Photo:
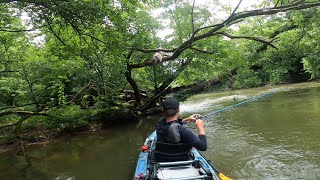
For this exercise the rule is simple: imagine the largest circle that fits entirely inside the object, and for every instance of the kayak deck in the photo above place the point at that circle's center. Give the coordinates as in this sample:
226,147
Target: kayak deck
197,168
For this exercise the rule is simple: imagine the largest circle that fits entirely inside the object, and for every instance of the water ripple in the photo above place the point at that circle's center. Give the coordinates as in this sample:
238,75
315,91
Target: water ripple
189,107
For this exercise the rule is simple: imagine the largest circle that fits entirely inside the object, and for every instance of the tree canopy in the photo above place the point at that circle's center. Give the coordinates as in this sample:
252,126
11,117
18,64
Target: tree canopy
62,52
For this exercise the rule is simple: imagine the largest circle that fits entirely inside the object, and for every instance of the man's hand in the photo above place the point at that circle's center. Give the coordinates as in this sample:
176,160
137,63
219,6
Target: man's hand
200,124
193,118
190,119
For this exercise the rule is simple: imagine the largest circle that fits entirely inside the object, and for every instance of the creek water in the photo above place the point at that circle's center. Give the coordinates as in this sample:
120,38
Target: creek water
276,137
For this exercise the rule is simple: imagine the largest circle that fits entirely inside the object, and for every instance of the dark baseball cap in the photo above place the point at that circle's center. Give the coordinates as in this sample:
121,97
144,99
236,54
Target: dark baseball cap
170,103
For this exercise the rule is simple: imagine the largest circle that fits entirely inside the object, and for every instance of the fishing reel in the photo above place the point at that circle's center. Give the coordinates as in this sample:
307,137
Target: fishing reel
198,116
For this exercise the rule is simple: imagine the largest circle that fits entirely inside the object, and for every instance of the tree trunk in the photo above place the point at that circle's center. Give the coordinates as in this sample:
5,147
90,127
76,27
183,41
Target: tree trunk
162,90
30,85
131,81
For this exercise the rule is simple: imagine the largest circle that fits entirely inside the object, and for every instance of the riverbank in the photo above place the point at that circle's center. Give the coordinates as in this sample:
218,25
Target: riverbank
64,122
73,121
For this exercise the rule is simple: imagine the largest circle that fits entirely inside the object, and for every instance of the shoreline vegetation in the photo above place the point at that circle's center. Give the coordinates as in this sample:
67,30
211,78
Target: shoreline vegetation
72,120
64,121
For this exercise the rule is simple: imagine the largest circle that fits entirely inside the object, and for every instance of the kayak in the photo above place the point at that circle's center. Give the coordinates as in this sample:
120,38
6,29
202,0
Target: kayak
198,167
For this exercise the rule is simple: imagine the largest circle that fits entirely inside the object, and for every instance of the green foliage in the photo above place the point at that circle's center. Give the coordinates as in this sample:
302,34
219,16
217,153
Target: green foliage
6,139
246,78
312,65
70,117
9,119
11,91
57,91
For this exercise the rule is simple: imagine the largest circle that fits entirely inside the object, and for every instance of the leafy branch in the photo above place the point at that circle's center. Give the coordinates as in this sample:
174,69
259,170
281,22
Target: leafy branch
232,19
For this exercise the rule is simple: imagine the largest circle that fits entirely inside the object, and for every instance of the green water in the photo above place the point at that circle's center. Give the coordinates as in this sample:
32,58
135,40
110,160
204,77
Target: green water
276,137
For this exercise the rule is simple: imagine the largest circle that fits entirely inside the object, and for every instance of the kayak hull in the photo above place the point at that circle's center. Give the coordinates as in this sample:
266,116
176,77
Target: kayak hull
145,167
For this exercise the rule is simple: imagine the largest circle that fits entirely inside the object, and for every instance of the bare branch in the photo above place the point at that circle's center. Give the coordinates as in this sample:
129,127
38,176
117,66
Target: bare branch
247,37
277,3
153,50
95,38
192,17
203,51
53,32
274,35
198,30
235,22
4,29
80,92
236,8
273,10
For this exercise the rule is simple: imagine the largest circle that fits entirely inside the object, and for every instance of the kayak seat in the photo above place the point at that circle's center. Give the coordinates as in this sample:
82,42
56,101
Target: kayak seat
188,170
168,152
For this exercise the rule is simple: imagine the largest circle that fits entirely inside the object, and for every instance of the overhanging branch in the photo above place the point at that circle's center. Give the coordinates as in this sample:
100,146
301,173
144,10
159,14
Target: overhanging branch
236,17
236,8
274,36
247,37
52,31
3,29
153,50
202,51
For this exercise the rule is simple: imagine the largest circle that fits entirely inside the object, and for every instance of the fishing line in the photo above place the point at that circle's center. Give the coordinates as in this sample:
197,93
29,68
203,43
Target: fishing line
235,105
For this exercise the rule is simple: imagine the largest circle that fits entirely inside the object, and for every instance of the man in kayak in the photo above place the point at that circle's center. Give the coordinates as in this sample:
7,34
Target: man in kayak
174,140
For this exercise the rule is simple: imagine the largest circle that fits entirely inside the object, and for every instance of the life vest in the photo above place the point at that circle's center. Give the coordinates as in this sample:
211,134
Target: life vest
168,146
168,132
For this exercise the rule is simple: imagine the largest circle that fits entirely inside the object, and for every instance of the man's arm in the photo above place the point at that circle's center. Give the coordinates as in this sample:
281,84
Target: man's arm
199,142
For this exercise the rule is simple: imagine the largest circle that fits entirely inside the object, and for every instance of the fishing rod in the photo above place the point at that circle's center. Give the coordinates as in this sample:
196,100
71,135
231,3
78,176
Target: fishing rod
234,105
